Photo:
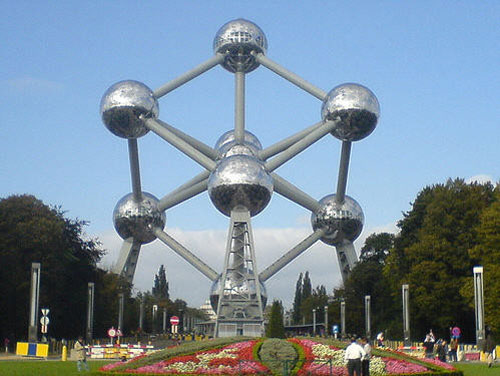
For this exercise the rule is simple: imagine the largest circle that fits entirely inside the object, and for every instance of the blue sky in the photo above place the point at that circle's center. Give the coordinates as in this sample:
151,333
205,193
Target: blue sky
433,66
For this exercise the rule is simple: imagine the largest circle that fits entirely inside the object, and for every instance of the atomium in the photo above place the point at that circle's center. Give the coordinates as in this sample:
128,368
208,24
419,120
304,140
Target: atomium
239,175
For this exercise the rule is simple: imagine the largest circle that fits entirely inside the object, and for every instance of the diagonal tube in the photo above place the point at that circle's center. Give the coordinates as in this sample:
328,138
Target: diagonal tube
290,76
291,255
189,75
127,261
198,178
171,200
299,146
206,270
204,148
180,144
291,192
287,142
343,171
133,154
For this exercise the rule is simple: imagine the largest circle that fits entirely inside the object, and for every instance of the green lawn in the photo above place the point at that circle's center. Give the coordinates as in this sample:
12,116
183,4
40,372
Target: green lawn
58,368
46,368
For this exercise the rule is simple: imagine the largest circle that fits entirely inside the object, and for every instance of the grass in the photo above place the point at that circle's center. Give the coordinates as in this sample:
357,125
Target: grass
46,368
58,368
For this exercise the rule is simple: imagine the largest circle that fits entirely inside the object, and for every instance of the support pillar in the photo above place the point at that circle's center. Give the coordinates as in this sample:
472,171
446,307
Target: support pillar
90,312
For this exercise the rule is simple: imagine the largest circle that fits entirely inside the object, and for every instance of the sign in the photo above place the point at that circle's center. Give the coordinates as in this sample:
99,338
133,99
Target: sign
45,311
174,320
44,320
119,333
45,329
112,332
335,329
455,332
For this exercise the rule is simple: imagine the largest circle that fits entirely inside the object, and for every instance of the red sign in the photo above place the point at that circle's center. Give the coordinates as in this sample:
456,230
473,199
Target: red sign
112,332
174,320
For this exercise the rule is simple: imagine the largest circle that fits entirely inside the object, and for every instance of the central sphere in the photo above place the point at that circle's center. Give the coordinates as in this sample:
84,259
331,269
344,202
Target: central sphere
340,220
240,180
136,219
123,105
237,289
238,39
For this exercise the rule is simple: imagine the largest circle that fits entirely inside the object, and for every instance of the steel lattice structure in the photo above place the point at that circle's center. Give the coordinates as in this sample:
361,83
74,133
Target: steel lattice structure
239,175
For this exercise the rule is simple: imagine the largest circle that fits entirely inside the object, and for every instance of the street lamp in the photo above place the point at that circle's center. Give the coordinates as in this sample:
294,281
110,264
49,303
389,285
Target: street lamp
314,322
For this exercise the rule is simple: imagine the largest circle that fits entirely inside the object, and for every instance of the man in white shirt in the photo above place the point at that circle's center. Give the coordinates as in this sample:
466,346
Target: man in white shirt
353,355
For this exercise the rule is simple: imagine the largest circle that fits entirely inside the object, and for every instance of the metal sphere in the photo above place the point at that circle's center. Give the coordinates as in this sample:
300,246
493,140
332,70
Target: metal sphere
123,104
356,109
238,39
240,180
226,145
342,221
136,219
237,288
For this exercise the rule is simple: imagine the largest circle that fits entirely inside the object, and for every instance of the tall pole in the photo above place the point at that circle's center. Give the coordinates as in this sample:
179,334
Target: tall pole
90,312
367,316
326,321
314,321
479,303
121,303
35,296
342,318
164,328
141,315
406,314
155,310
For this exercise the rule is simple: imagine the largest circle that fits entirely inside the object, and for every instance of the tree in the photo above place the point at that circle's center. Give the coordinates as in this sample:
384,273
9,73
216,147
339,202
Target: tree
431,254
275,327
306,287
160,288
297,301
31,231
377,247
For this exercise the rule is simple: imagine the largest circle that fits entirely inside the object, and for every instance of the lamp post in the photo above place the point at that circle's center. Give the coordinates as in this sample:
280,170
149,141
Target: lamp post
479,303
406,314
155,310
342,318
35,295
326,321
367,316
90,311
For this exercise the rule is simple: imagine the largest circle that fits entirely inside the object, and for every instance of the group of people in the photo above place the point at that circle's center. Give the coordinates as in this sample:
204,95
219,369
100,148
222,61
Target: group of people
357,355
440,348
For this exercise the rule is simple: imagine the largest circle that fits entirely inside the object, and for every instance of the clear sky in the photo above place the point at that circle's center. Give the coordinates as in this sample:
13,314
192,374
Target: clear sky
434,66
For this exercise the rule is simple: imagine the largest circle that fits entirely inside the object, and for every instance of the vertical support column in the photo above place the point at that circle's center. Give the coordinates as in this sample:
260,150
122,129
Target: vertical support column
345,157
479,303
406,314
342,319
90,312
34,300
314,322
121,303
368,316
239,110
134,168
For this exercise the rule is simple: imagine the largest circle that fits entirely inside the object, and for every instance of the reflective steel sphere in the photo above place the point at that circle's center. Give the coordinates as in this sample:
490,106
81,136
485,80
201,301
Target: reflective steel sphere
226,145
123,104
247,287
356,107
240,180
135,219
237,39
342,221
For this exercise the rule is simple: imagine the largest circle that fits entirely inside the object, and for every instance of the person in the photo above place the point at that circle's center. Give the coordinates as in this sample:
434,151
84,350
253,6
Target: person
353,355
6,342
428,346
453,349
380,339
81,355
432,336
489,346
365,361
442,350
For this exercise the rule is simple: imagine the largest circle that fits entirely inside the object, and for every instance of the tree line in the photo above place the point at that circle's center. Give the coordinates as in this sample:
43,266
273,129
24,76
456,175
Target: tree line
31,231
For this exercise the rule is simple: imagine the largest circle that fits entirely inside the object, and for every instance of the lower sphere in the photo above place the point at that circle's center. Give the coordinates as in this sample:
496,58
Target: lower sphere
137,219
341,220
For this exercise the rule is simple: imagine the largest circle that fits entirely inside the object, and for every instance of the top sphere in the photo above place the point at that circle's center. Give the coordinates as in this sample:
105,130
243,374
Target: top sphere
238,39
123,104
355,108
226,145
